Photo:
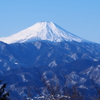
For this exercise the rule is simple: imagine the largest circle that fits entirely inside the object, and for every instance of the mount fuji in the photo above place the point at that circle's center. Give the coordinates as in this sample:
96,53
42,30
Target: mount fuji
47,48
48,31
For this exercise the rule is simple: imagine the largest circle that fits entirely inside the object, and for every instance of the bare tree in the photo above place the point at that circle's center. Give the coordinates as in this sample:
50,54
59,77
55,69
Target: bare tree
53,90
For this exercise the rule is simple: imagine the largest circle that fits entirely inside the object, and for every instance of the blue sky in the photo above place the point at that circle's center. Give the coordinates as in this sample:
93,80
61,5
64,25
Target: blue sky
80,17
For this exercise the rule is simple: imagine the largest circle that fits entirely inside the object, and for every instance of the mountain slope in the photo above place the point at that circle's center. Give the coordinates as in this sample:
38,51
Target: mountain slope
45,53
20,79
42,31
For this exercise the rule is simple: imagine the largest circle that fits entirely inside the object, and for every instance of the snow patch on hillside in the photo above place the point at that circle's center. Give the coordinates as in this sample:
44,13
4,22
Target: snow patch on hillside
52,64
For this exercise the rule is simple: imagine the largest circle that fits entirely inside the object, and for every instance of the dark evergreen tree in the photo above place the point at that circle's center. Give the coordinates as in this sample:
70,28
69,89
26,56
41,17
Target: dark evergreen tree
3,94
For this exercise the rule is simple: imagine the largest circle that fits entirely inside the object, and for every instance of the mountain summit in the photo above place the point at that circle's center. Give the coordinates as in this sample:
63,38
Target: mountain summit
42,31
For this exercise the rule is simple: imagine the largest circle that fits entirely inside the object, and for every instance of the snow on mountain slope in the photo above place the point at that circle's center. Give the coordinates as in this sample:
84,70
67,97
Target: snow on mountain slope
42,31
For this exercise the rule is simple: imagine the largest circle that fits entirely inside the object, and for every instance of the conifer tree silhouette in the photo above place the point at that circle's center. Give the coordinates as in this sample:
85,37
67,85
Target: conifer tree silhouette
3,94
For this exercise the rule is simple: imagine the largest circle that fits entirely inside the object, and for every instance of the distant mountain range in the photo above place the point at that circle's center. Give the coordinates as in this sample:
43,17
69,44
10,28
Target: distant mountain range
47,47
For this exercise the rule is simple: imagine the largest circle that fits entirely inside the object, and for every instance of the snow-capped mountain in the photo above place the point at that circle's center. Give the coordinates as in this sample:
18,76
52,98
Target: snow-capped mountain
32,48
42,31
